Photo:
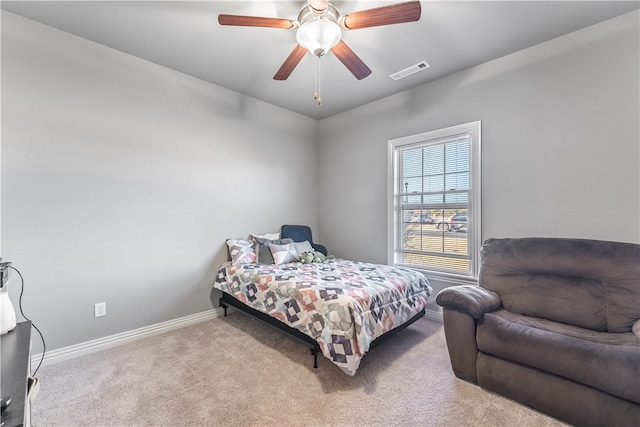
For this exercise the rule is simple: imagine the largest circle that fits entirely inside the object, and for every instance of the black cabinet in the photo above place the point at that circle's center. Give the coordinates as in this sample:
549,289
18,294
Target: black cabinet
14,376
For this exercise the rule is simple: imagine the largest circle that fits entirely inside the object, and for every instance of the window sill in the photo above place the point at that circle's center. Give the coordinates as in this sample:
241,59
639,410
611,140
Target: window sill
447,278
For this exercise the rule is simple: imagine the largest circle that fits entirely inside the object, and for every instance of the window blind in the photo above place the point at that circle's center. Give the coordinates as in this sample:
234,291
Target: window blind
432,204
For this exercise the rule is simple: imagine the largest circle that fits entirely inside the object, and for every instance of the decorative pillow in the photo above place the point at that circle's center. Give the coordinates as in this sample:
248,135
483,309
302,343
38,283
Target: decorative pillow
263,253
283,254
241,251
302,247
268,236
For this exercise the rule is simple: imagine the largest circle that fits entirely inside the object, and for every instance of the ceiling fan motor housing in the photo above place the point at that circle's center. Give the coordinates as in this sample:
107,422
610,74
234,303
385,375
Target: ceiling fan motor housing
318,32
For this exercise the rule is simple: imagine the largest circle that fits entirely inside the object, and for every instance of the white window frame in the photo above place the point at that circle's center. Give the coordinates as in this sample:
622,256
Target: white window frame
474,234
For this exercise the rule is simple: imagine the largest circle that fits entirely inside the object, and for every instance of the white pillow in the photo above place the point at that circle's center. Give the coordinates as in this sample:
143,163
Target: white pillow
283,254
302,247
241,251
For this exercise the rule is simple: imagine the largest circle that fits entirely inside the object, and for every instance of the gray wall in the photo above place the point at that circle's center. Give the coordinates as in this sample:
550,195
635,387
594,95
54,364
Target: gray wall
121,181
560,144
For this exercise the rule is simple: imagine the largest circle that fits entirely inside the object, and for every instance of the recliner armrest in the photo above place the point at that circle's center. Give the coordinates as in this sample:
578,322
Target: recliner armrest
470,299
636,329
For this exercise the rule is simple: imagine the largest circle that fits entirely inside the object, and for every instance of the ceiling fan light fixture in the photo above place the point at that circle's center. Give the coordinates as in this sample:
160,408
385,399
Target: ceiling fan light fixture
319,29
319,35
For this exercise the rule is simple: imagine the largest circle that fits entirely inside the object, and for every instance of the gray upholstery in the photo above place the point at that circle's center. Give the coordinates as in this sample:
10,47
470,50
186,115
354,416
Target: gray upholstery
471,299
583,356
552,317
545,277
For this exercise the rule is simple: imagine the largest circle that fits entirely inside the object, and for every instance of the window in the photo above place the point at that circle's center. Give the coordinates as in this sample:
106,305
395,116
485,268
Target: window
434,201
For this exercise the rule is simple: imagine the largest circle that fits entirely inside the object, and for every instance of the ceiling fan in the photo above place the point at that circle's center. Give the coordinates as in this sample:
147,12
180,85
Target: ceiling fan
319,29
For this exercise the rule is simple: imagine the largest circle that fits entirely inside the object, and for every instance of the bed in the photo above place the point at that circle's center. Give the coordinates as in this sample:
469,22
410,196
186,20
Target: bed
340,308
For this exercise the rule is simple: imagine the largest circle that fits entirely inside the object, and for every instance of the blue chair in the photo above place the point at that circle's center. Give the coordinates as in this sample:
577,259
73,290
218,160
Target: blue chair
300,233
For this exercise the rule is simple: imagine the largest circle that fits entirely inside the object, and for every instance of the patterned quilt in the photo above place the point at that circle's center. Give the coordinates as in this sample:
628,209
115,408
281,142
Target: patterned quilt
343,305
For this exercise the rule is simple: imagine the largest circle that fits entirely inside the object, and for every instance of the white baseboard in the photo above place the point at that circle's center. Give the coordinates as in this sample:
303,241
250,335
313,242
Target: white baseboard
433,315
88,347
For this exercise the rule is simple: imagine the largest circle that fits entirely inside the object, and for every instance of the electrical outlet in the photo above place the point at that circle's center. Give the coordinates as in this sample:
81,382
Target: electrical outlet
100,309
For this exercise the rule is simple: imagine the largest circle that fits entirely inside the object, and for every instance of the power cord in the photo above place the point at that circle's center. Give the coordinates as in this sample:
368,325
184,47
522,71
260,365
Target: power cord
44,346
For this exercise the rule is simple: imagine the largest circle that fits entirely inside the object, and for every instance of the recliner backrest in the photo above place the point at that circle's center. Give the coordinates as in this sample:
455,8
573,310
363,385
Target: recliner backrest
588,283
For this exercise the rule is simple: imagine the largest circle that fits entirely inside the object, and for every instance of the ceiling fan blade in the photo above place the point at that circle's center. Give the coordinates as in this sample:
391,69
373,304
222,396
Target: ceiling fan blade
351,60
255,21
385,15
290,63
318,6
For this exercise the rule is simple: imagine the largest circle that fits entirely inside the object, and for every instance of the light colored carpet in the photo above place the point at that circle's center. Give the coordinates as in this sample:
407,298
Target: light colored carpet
236,371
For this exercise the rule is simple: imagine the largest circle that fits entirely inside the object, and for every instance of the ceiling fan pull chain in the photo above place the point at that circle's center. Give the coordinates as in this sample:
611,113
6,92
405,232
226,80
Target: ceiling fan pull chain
315,78
317,93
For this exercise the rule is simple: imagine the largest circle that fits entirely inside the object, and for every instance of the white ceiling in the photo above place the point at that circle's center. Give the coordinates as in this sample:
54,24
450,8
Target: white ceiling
185,36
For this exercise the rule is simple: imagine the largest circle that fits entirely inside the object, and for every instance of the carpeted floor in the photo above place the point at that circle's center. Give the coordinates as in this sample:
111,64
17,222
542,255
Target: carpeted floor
236,371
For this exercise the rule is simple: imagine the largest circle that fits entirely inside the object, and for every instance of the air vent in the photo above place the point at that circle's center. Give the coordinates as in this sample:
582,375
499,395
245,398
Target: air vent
410,70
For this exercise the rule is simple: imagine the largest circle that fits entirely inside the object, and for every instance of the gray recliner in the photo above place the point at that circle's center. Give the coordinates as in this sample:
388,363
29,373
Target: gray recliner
554,324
